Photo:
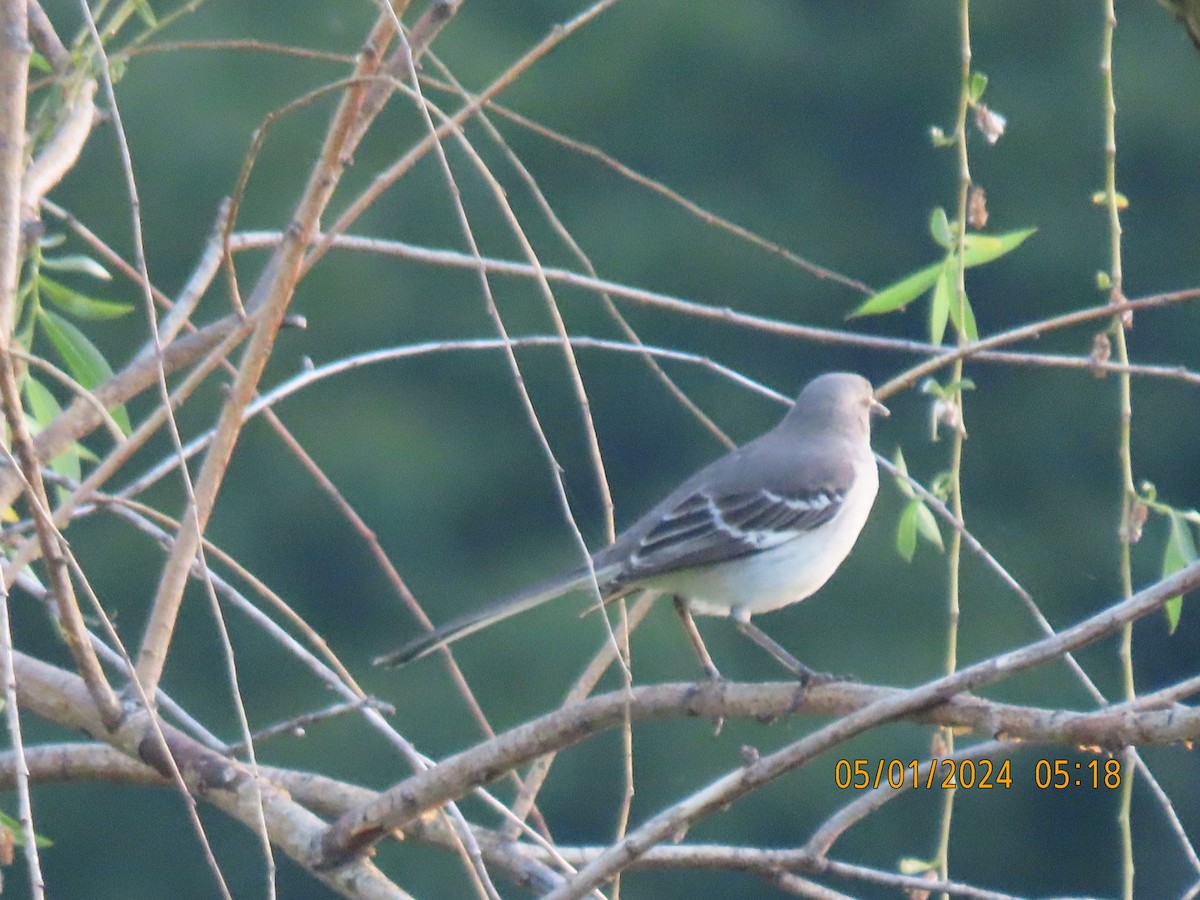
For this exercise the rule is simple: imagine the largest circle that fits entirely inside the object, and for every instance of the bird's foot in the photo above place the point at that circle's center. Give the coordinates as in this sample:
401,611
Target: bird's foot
807,677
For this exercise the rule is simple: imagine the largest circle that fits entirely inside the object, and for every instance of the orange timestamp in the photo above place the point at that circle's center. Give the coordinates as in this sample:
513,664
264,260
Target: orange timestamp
947,774
972,774
1057,774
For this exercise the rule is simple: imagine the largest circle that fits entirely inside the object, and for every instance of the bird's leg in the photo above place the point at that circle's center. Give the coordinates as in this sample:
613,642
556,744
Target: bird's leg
693,633
807,676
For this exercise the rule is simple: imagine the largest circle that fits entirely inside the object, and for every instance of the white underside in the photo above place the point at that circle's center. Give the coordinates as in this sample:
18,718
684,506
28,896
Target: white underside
781,575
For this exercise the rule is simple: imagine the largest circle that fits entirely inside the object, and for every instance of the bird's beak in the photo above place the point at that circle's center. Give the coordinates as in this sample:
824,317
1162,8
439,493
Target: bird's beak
878,409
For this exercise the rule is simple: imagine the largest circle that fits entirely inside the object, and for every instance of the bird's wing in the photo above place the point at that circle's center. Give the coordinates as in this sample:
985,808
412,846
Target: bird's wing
704,529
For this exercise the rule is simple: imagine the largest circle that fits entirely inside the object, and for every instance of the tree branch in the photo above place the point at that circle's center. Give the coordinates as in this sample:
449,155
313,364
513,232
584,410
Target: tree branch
61,697
426,790
267,305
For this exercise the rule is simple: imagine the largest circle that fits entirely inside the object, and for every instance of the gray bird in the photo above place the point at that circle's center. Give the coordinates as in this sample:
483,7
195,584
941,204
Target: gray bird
760,528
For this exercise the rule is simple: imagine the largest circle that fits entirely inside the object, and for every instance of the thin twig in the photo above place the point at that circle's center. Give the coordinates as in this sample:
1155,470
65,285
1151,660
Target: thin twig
482,877
12,716
941,855
673,196
397,170
249,44
1026,332
310,376
46,39
297,725
1122,319
269,302
555,470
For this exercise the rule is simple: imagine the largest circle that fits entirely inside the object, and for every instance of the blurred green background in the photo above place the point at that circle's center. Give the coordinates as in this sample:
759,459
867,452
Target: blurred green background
807,122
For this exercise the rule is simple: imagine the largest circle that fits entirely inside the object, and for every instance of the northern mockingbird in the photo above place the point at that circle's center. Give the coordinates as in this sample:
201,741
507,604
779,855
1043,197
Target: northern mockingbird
760,528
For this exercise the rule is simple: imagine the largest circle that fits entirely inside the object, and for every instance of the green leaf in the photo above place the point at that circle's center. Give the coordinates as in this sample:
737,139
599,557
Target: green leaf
940,485
976,86
939,306
77,262
902,478
939,227
972,330
963,318
939,137
916,519
977,250
983,248
901,293
44,409
906,531
1173,609
18,832
910,865
927,527
42,406
1100,198
1180,552
85,363
80,305
38,63
930,386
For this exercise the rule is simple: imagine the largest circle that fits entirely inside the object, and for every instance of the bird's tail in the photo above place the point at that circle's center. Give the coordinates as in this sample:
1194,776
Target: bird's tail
532,596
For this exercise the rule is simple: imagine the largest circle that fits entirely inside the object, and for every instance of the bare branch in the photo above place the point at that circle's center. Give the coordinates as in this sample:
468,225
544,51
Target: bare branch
62,698
397,170
357,830
97,762
268,303
14,66
1027,332
61,152
691,207
20,763
46,39
772,864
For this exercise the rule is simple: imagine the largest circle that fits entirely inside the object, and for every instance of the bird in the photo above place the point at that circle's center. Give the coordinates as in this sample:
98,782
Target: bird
758,529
